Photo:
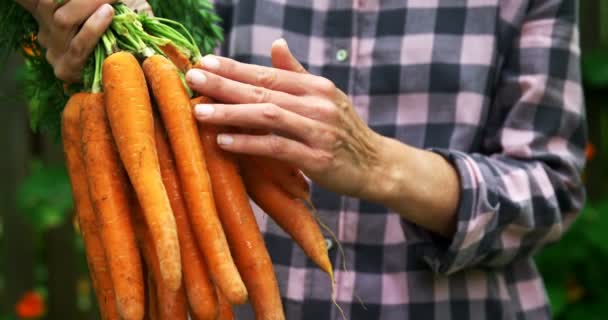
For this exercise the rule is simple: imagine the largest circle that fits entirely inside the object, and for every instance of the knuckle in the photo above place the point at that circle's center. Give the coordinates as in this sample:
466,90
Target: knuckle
42,38
271,112
67,72
325,110
266,78
77,50
325,86
63,20
61,72
328,135
260,95
226,113
50,57
276,145
323,159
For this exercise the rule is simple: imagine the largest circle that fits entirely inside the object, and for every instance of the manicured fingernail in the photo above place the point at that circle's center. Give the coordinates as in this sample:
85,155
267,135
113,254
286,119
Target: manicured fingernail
196,77
210,63
224,139
105,11
203,110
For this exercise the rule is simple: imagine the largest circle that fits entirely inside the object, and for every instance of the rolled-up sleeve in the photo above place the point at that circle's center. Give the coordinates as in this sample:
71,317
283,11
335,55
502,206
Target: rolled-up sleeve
526,189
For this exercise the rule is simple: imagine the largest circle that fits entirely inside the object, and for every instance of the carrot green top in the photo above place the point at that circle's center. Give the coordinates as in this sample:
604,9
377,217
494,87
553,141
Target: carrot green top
190,25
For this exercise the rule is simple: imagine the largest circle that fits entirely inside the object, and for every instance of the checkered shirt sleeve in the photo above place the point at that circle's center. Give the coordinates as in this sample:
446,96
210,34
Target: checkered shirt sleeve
525,190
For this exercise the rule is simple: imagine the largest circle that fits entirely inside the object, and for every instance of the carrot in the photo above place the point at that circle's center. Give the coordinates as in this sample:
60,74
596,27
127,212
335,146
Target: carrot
200,290
109,191
244,236
181,61
290,214
152,302
96,257
170,304
131,118
225,308
174,106
287,177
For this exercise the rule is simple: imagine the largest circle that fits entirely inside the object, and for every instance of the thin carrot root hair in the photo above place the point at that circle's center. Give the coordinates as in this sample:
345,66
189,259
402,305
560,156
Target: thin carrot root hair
342,254
325,227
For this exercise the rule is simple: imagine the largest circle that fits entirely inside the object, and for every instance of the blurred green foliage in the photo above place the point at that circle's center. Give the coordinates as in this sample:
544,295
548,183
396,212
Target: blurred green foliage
45,196
574,270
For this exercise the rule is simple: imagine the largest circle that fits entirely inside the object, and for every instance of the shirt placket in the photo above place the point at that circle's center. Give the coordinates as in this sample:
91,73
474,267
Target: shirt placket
344,51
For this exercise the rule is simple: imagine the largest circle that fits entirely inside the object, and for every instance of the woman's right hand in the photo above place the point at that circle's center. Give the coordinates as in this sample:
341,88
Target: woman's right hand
69,31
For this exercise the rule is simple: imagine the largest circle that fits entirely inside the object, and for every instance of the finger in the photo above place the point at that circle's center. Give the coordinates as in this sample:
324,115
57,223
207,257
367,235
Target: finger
274,146
43,37
231,91
270,78
48,7
67,72
259,116
74,13
51,57
30,5
87,38
282,58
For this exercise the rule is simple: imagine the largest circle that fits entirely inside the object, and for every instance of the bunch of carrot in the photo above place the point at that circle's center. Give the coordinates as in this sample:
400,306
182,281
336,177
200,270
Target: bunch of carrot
164,212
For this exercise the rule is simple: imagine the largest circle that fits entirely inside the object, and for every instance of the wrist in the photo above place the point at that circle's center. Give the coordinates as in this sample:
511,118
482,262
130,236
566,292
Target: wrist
388,178
418,184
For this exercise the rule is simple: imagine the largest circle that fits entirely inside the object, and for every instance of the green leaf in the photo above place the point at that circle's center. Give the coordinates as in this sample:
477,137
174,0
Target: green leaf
198,16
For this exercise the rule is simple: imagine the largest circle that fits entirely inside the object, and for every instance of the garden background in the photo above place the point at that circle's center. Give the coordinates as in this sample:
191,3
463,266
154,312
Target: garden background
42,266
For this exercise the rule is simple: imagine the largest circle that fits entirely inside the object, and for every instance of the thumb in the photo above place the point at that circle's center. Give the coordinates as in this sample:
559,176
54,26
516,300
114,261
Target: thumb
283,59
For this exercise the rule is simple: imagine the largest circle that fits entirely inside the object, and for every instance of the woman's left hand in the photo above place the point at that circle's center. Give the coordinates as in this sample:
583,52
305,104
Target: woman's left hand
314,126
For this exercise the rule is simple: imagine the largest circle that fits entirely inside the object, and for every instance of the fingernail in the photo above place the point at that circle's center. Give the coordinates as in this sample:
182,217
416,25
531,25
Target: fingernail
105,11
210,63
279,42
203,110
224,139
196,77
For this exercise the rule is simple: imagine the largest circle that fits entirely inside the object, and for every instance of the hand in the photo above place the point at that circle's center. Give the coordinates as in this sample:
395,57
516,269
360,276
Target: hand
70,29
314,126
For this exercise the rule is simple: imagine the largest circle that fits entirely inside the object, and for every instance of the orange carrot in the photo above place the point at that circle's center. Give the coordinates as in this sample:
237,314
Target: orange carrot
130,114
170,304
225,308
174,105
287,177
290,214
244,236
109,190
181,61
200,289
96,257
152,302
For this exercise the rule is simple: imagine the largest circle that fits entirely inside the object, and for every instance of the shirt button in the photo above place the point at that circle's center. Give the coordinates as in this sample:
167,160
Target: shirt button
342,55
329,243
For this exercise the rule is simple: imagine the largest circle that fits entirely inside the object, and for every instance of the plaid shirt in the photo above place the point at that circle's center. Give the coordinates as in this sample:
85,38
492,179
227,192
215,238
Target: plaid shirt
494,87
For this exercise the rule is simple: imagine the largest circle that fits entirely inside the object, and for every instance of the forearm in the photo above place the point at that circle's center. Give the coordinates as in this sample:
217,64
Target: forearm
420,185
